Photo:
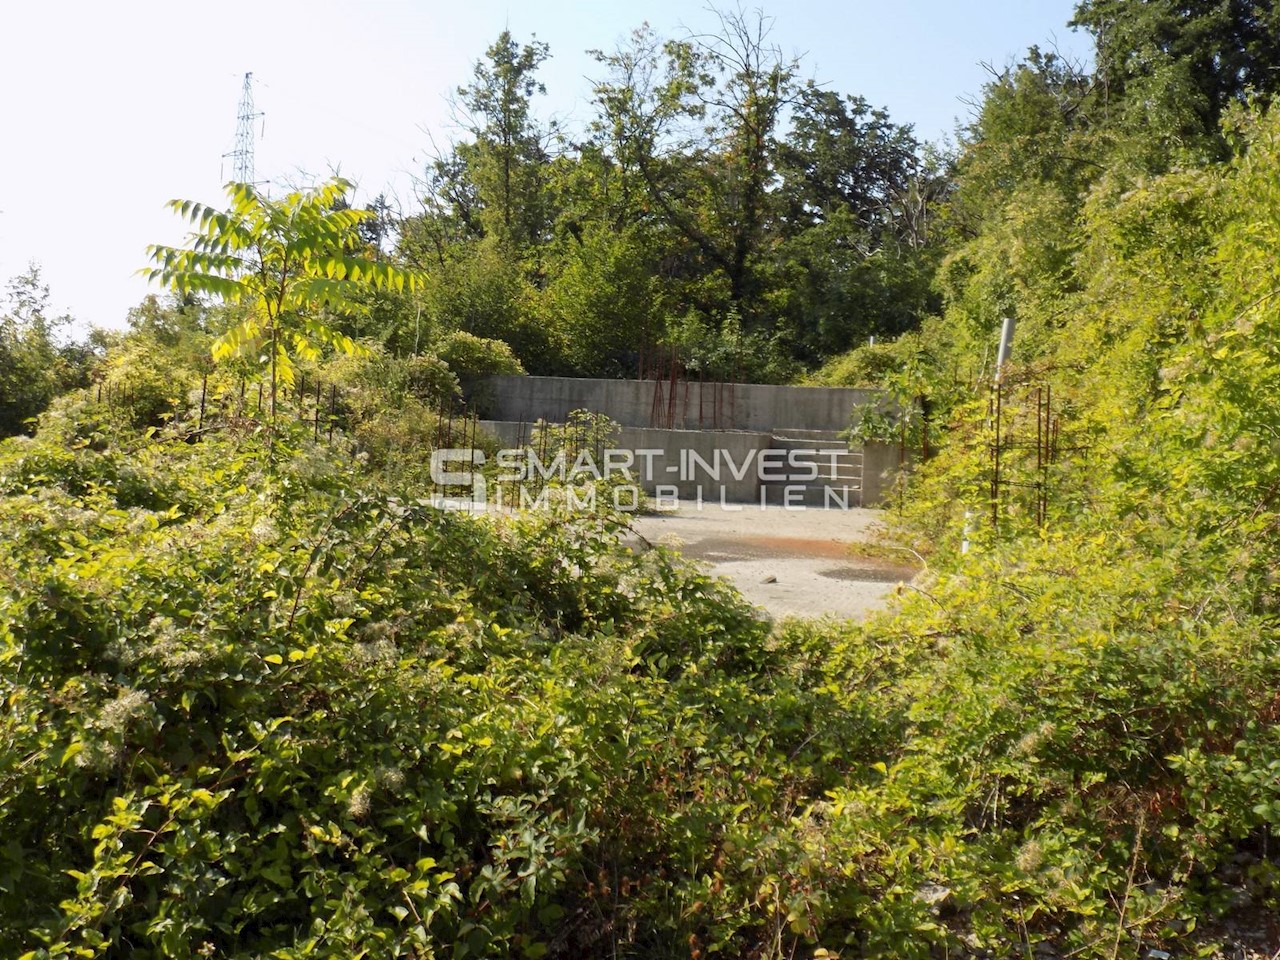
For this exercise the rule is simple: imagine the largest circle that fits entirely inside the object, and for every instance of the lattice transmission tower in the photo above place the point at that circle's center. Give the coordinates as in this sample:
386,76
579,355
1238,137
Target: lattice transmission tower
242,155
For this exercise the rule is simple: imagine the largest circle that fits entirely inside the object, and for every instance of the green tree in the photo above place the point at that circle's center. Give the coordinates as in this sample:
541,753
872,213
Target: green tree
1189,59
842,154
36,363
450,216
285,264
1037,122
603,302
1038,143
838,285
696,118
857,258
482,291
173,321
506,161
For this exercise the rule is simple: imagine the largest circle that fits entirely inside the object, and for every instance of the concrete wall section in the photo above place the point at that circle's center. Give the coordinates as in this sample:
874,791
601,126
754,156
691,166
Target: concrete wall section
880,465
714,442
761,408
510,433
708,465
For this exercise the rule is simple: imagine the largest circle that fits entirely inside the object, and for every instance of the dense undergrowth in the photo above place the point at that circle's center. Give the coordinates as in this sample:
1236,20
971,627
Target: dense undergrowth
260,701
257,704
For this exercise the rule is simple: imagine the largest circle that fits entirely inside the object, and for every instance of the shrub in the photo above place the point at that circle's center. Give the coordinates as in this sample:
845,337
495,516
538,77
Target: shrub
264,706
472,358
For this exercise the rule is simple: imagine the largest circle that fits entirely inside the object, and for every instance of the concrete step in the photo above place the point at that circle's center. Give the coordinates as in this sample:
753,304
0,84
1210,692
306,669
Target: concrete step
814,494
823,455
795,433
827,475
830,465
809,443
841,474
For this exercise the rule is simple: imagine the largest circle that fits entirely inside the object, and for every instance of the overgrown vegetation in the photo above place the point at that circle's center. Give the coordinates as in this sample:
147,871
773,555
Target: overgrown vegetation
264,704
263,699
35,365
713,212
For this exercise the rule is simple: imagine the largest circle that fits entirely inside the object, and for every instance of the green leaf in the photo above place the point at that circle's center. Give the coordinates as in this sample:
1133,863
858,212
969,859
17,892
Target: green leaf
74,749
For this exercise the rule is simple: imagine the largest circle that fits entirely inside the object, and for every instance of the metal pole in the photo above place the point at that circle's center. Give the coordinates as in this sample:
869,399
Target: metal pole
1006,346
1039,454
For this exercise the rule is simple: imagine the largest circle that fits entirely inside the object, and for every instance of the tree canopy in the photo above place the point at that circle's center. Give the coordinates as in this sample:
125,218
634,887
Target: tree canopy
287,263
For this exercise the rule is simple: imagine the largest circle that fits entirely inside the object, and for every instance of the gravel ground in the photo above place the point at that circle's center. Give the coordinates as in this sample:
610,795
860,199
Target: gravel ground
788,562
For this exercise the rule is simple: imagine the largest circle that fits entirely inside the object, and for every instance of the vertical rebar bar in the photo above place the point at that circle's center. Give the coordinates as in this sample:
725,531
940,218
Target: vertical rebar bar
1039,451
902,463
204,386
995,466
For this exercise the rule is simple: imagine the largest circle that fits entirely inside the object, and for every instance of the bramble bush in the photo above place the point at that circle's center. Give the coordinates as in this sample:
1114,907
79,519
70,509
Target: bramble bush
260,703
263,701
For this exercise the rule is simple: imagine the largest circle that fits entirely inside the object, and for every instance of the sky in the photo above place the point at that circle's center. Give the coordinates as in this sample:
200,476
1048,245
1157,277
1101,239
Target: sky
116,108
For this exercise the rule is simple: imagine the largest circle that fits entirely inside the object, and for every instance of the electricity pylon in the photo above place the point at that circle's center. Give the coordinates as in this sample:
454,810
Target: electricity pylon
242,155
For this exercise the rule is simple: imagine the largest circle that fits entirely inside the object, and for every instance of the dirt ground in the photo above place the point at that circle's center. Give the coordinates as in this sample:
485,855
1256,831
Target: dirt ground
788,562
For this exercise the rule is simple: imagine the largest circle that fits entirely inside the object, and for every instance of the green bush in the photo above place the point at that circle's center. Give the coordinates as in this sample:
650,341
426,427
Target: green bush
261,699
472,358
36,365
865,366
262,703
259,705
430,380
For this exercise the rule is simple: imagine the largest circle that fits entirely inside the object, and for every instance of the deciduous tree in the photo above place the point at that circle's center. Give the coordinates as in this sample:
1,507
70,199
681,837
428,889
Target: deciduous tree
285,263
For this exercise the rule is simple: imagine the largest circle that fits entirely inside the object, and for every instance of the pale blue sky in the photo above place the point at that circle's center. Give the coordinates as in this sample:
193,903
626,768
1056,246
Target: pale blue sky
115,108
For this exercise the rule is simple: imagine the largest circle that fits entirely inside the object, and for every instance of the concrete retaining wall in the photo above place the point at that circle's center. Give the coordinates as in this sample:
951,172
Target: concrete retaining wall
740,425
761,408
683,460
733,475
880,465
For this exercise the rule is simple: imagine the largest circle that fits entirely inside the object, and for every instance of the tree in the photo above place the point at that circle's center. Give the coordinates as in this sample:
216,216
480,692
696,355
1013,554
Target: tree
450,216
34,366
178,320
1204,54
603,302
506,160
856,259
696,118
1038,122
484,293
842,155
838,286
284,263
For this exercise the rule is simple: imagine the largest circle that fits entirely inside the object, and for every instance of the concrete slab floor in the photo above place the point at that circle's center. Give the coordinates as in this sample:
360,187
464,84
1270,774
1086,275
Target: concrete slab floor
790,563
